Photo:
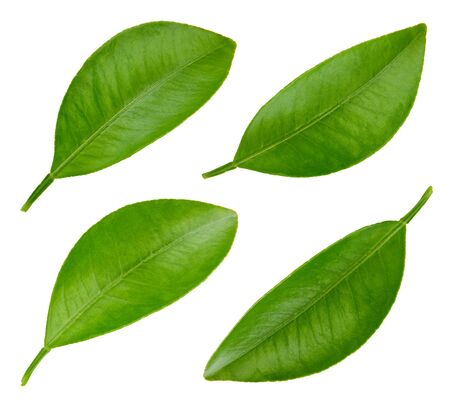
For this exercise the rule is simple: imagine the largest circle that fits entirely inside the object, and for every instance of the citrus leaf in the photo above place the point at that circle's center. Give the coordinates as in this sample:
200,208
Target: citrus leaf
322,312
135,88
338,113
132,263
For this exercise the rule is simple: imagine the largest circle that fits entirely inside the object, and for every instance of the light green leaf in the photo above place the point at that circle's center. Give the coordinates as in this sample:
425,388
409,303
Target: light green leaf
338,113
322,312
134,89
132,263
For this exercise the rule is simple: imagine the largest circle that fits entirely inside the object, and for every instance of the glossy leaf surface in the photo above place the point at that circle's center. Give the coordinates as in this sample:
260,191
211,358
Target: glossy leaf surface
135,88
322,312
134,262
338,113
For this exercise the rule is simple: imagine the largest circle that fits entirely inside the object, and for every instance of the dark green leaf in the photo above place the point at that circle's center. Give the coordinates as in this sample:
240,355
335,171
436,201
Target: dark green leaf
338,113
134,89
322,312
134,262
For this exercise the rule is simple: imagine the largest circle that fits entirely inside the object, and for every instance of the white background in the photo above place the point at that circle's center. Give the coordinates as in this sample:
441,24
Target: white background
282,221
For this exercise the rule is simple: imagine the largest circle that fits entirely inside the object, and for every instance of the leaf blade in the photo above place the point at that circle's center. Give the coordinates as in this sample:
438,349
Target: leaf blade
134,89
321,313
256,348
133,262
339,112
152,261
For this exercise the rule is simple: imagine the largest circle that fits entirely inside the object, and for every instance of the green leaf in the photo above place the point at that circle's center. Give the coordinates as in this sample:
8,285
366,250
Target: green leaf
132,263
338,113
134,89
320,313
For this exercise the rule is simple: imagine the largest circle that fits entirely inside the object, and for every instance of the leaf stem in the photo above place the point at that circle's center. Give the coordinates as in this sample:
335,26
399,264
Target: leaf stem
219,170
423,200
46,182
44,351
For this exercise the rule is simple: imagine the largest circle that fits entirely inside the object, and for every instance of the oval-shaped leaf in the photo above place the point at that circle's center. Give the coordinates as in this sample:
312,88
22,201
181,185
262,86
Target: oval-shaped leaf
322,312
338,113
134,89
134,262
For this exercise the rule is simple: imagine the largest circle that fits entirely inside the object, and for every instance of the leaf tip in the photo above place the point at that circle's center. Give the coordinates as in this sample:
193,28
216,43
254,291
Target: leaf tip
214,370
209,374
420,28
232,43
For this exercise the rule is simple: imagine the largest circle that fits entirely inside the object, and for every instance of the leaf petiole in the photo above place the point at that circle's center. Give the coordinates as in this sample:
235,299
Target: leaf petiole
219,170
46,182
44,351
423,200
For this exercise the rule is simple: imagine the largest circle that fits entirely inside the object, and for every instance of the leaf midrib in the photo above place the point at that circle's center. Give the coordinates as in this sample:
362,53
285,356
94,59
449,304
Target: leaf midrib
147,91
299,130
400,224
102,292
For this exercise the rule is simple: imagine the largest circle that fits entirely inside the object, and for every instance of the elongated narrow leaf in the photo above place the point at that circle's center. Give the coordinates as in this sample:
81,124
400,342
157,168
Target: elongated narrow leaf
322,312
134,262
134,89
338,113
